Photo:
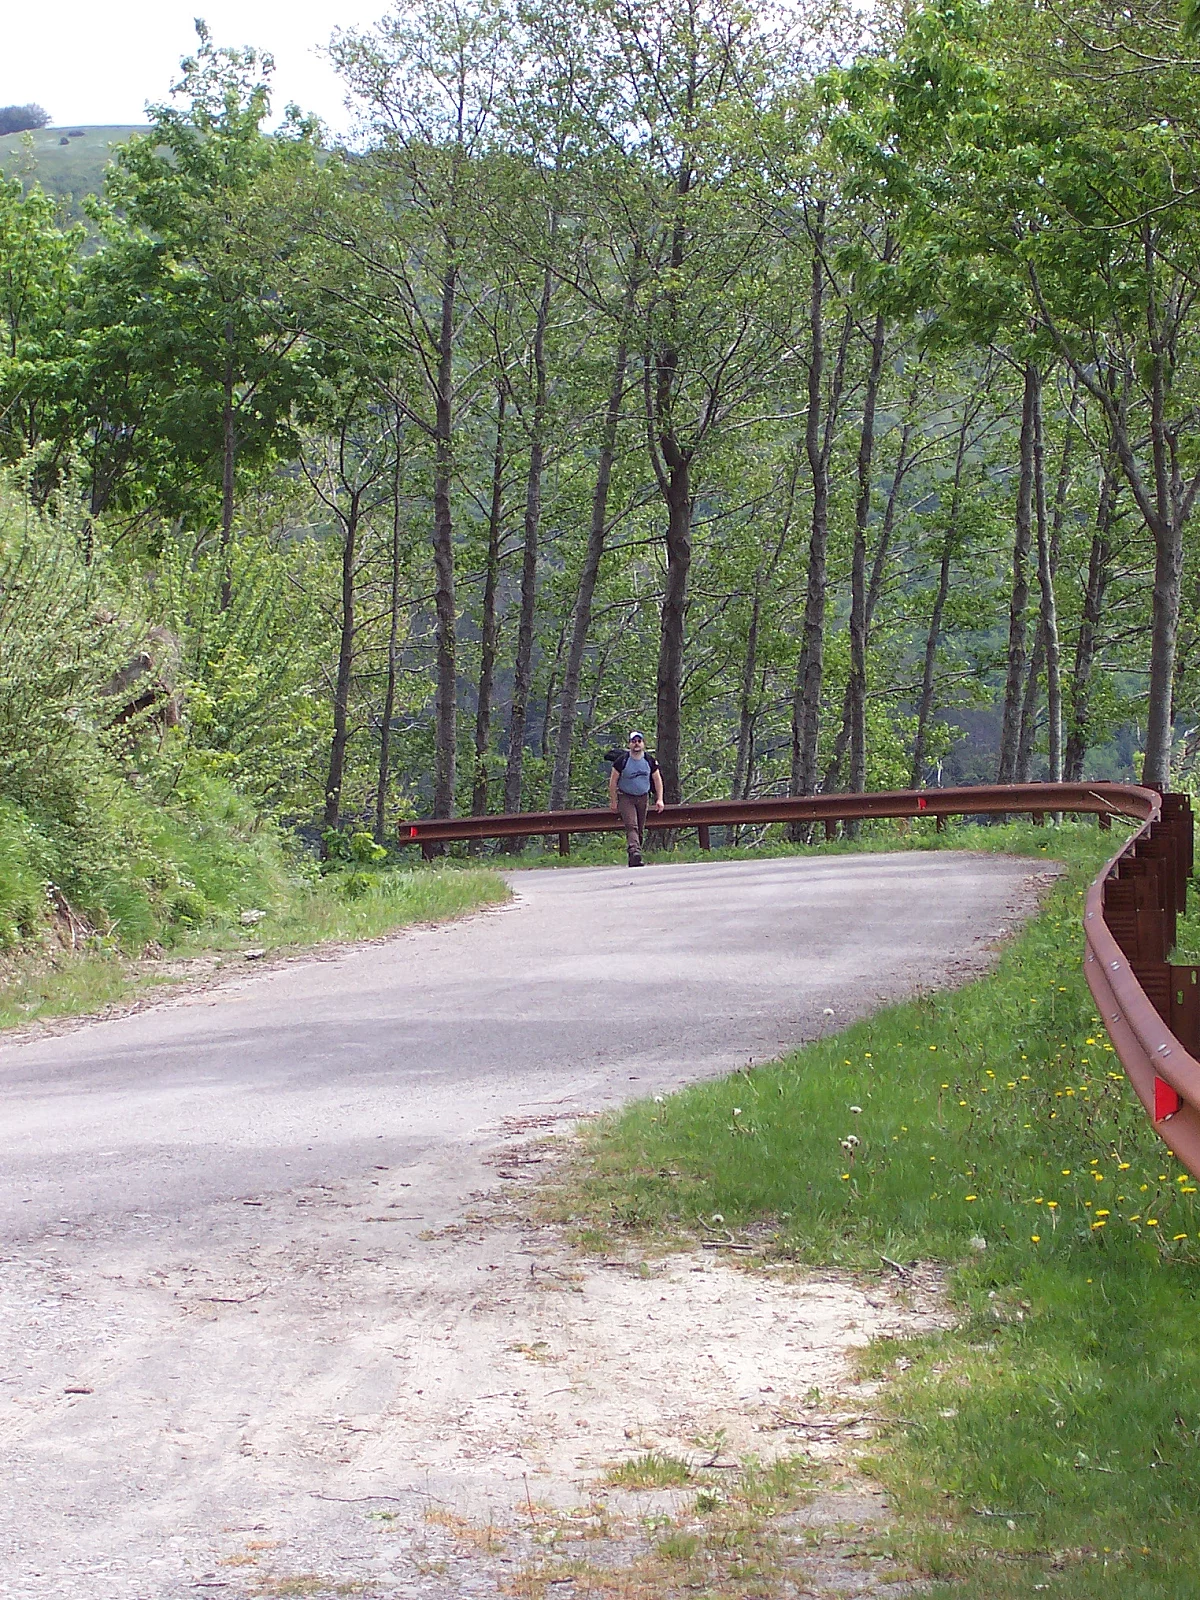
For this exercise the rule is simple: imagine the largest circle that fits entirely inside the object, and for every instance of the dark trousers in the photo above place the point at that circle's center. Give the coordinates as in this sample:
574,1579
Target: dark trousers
632,810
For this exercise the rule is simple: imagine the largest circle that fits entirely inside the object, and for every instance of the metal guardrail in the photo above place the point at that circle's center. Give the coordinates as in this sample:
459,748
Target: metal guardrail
1149,1005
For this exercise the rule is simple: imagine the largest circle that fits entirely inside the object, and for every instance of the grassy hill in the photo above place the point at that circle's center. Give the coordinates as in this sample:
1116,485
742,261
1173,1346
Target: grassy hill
67,167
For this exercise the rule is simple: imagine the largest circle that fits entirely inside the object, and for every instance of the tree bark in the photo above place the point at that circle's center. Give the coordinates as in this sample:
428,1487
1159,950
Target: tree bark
1014,681
345,667
446,700
934,632
858,575
1047,565
741,763
581,615
389,695
669,707
806,702
833,771
1099,572
523,666
488,628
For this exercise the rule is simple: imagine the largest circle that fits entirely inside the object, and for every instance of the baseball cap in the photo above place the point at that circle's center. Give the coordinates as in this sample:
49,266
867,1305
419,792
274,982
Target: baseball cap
636,735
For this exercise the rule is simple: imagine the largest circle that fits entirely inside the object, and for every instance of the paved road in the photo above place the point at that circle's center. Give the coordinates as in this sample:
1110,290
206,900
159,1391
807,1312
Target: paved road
158,1151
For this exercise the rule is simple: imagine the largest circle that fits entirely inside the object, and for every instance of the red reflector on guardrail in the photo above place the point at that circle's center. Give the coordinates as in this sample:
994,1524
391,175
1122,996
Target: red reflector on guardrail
412,833
1166,1100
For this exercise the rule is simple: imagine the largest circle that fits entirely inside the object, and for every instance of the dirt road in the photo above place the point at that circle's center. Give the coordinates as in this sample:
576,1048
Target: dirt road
246,1341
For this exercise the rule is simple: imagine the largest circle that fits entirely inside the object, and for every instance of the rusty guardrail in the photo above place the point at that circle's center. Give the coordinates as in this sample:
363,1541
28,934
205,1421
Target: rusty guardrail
1149,1005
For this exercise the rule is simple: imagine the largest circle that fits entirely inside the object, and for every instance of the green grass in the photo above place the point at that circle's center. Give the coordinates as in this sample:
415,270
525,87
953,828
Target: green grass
69,171
1051,1442
48,982
652,1470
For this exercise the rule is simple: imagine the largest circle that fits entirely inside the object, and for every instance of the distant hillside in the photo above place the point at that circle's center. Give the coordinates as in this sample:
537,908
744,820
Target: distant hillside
69,168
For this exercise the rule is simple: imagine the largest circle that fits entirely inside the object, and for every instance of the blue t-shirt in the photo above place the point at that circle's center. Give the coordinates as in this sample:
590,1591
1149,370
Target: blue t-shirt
634,775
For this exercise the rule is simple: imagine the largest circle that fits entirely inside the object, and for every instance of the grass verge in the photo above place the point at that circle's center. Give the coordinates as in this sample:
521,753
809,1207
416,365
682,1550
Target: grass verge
1051,1442
52,982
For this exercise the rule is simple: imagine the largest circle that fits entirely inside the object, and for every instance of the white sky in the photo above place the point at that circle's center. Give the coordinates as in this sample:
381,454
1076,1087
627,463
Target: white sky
90,63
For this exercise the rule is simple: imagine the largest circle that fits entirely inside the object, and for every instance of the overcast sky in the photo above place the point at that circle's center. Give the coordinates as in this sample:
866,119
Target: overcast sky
89,63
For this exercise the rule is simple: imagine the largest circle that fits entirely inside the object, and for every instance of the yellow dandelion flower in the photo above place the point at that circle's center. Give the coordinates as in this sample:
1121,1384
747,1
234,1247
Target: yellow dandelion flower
1179,1236
1036,1237
971,1197
1152,1222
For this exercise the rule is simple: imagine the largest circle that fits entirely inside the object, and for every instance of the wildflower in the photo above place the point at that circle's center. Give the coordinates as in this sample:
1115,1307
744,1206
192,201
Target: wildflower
737,1111
1152,1222
1096,1225
1066,1172
933,1047
1179,1236
658,1099
1104,1213
845,1175
1136,1217
972,1197
716,1217
1122,1166
857,1110
1036,1237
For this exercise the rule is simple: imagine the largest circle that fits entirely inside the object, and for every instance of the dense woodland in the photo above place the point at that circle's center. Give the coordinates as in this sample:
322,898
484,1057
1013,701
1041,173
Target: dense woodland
814,388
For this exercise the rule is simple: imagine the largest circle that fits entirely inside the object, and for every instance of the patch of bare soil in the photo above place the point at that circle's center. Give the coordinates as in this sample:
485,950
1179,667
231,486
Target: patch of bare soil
339,1392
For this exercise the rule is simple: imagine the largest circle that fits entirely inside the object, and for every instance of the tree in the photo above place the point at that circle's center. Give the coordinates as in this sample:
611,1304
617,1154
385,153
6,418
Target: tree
22,119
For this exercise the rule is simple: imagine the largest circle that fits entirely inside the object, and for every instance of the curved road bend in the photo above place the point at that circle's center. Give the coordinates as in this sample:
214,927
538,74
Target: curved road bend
177,1148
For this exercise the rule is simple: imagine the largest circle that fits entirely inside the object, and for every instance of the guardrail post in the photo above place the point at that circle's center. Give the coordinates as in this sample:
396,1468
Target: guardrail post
564,844
702,831
940,823
1104,821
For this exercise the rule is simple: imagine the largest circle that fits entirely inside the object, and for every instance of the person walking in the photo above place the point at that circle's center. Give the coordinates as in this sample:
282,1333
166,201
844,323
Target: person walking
634,774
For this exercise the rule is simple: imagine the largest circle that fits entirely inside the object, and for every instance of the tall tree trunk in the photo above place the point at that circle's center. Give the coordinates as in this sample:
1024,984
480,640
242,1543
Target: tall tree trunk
488,628
1168,571
933,634
741,763
228,464
1014,681
806,702
1023,771
669,707
523,667
858,574
833,772
446,702
1047,565
393,654
1046,652
1099,572
345,668
581,615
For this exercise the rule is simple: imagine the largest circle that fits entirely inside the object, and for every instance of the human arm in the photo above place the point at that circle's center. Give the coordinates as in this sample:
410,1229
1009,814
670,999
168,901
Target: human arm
656,780
612,789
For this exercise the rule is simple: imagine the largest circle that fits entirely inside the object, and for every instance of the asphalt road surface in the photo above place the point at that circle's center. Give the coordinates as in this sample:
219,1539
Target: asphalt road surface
159,1168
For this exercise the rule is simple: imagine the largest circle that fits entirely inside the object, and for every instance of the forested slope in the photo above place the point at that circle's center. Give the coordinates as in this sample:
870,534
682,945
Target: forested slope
819,393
